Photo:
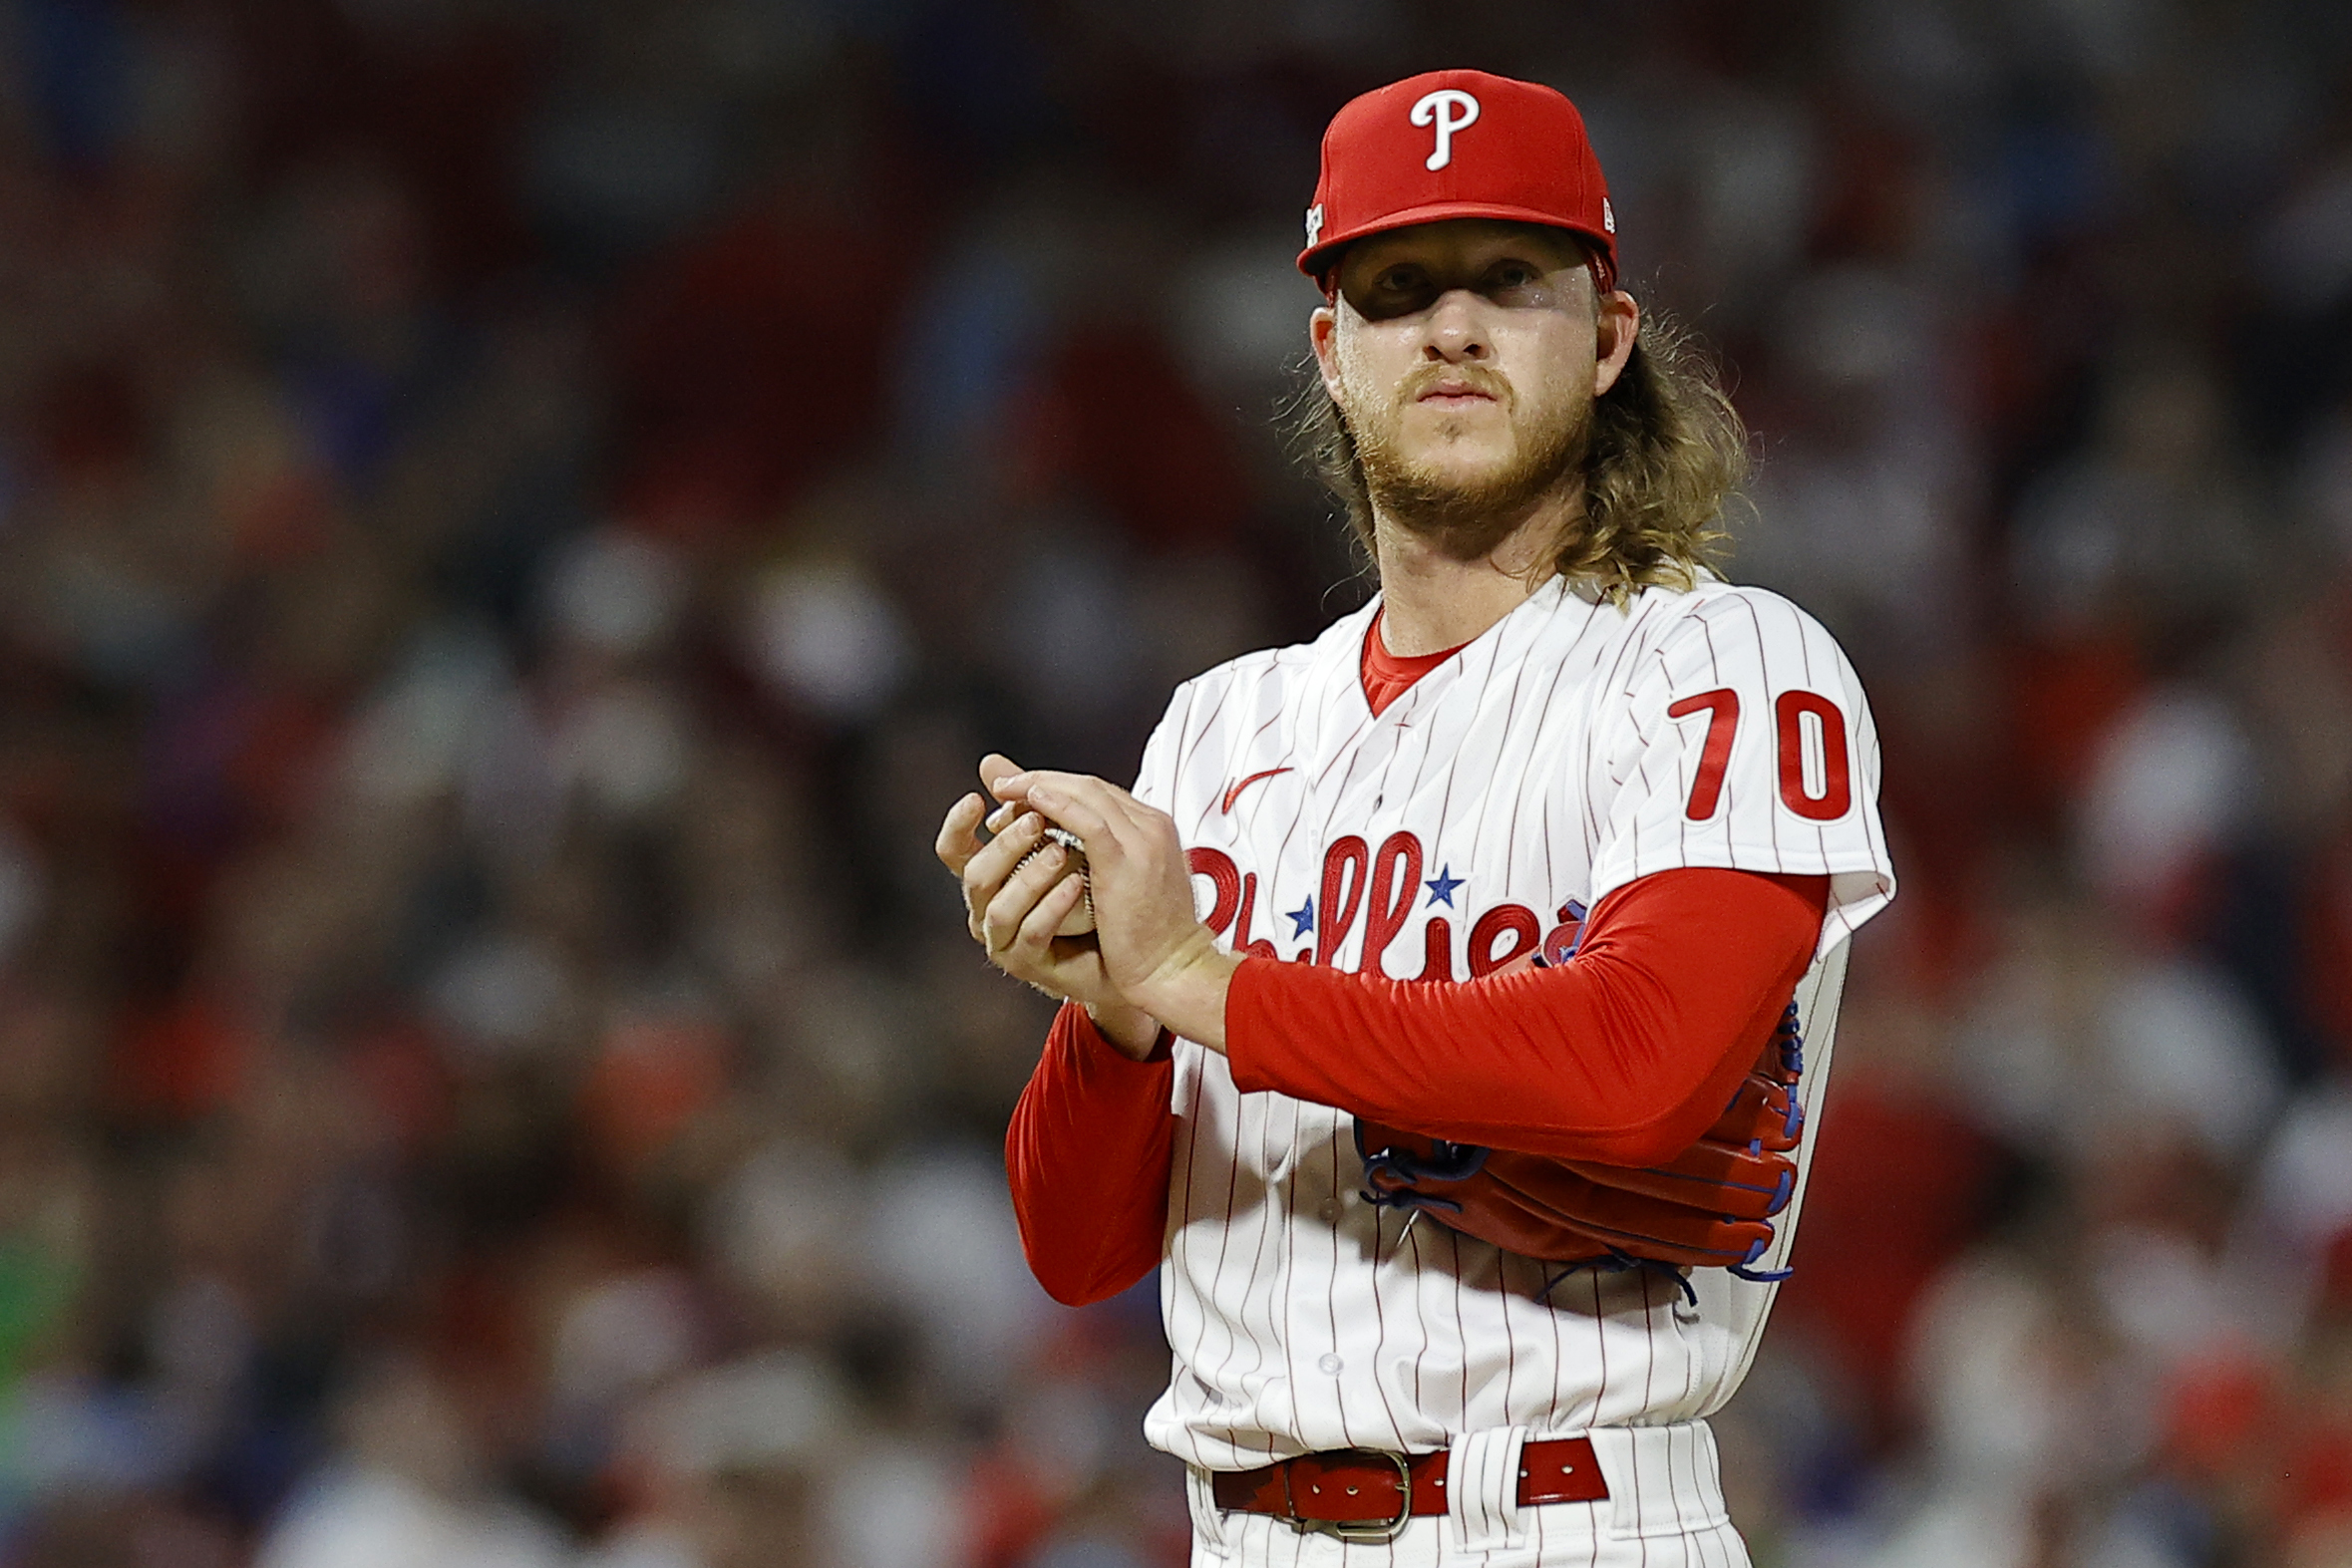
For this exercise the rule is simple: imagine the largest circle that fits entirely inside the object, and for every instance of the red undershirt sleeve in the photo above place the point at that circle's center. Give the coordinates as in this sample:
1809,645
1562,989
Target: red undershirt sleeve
1087,1156
1624,1054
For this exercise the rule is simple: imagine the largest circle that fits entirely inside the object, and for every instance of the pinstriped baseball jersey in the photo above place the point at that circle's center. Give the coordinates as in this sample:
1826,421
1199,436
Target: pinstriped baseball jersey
1573,747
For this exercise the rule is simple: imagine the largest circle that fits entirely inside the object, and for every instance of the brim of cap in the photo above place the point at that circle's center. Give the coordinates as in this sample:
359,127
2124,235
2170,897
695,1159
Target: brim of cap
1320,255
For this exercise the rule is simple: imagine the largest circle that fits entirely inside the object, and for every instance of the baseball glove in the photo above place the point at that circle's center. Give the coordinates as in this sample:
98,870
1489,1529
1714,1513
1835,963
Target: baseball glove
1711,1206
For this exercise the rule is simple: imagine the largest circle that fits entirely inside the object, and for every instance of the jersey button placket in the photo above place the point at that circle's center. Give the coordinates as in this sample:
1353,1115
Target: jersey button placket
1312,1315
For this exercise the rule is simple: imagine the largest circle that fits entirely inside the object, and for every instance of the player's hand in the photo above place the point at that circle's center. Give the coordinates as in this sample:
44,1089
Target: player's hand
1154,950
1013,910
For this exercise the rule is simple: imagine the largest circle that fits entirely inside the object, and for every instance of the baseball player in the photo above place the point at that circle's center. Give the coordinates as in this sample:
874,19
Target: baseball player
1446,1007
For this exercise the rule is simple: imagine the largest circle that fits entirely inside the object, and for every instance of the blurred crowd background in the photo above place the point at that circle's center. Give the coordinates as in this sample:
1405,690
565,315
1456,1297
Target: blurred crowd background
517,517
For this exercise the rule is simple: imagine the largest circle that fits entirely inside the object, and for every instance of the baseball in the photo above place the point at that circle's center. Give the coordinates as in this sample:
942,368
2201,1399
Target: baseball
1079,921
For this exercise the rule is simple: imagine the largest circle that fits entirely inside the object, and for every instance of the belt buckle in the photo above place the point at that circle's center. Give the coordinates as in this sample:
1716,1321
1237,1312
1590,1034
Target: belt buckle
1364,1532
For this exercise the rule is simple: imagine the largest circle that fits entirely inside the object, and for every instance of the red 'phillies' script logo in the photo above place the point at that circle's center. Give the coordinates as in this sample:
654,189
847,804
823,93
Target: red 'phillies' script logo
1379,889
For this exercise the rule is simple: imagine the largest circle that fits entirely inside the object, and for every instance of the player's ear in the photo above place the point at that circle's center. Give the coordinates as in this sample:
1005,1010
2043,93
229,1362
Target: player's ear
1616,324
1323,334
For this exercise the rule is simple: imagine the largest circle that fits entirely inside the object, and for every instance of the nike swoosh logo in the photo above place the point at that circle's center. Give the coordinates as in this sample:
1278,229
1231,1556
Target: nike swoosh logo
1235,794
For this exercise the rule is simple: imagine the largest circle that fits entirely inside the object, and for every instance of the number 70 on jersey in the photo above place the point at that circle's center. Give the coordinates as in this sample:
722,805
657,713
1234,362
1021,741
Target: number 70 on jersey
1816,780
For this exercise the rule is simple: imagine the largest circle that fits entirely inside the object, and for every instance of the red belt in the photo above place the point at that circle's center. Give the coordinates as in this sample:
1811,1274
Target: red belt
1368,1494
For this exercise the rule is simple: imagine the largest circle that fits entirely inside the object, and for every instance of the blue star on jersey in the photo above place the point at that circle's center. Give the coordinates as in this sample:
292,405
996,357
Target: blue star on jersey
1441,888
1302,919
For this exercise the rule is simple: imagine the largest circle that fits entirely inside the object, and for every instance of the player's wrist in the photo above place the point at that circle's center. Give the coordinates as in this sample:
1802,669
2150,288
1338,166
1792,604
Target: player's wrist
1127,1029
1188,991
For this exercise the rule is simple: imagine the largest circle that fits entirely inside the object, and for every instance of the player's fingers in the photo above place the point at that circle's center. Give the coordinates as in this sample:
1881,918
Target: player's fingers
1031,946
1001,920
1050,777
1115,803
1147,818
959,840
1102,794
1123,798
1123,831
985,872
1002,818
995,769
1079,803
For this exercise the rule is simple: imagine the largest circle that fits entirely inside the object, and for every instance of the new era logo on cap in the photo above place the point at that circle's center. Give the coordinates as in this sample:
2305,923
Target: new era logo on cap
1406,153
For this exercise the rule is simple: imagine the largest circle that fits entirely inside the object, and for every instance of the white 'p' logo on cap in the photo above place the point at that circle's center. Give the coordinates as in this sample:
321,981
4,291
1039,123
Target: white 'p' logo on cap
1451,109
1315,225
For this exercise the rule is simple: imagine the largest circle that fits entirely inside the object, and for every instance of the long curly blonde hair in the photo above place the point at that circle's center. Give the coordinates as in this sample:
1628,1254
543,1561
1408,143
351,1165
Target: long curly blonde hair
1666,454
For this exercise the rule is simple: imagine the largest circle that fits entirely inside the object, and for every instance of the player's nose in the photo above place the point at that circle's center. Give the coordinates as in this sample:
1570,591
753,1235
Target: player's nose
1455,328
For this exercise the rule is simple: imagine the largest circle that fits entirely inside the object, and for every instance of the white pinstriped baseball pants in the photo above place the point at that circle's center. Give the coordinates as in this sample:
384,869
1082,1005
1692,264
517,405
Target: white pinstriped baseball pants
1664,1511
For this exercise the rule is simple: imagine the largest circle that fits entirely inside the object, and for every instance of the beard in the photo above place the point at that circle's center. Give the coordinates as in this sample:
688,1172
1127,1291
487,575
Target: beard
1465,518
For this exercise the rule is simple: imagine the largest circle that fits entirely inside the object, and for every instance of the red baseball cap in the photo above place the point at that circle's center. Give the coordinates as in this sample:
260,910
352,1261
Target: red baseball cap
1459,144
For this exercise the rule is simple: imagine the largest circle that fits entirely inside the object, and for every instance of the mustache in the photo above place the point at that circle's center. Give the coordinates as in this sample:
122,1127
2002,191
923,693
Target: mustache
1479,378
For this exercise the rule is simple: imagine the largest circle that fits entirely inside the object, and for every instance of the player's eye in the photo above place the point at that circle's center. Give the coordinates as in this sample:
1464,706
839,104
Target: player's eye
1396,290
1512,281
